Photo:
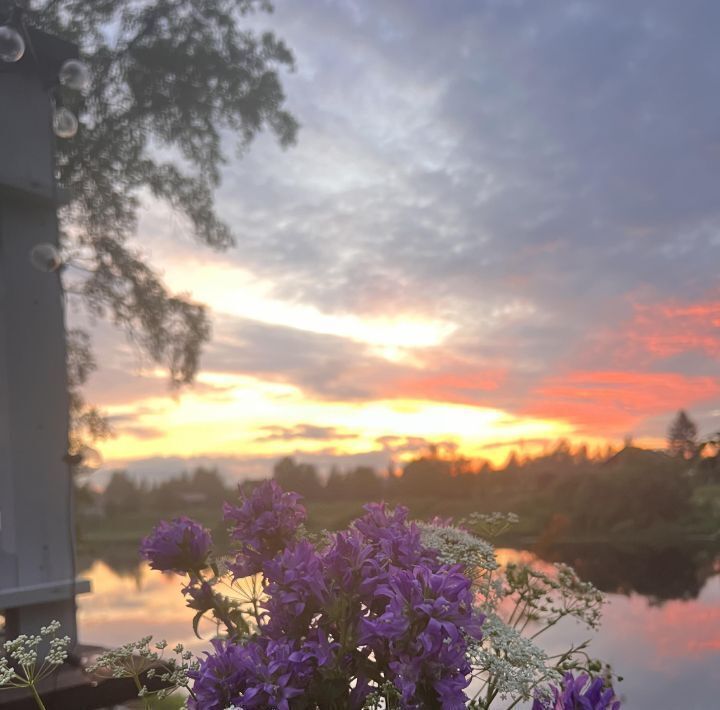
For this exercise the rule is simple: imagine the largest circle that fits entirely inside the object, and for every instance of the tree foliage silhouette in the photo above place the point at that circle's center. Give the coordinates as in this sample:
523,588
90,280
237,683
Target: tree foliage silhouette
682,436
300,477
170,78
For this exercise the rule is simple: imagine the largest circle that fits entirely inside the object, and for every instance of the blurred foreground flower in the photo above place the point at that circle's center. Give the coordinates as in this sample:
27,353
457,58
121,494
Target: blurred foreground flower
180,546
19,669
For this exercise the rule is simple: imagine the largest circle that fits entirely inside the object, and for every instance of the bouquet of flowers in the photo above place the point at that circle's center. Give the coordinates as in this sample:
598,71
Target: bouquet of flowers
385,614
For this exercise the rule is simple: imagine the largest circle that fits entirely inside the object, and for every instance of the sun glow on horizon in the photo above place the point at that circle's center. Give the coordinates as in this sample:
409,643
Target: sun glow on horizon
236,419
431,397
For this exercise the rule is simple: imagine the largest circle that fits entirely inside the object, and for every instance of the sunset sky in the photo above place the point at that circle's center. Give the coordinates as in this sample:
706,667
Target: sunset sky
500,226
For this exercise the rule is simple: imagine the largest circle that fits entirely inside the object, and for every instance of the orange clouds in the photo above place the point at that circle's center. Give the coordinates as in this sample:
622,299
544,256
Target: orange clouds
465,387
664,330
613,401
616,397
607,401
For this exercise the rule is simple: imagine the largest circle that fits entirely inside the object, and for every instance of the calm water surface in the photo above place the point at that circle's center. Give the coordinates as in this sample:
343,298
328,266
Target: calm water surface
662,633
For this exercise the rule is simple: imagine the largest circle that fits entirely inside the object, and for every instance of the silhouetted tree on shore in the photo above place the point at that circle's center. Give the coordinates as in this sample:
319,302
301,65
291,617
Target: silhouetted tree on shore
302,478
682,436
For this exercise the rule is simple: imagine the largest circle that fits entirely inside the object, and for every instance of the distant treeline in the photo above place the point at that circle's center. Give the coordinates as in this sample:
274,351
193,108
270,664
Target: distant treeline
564,490
633,488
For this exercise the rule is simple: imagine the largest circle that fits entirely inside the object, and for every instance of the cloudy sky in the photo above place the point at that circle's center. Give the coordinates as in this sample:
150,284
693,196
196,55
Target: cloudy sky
500,226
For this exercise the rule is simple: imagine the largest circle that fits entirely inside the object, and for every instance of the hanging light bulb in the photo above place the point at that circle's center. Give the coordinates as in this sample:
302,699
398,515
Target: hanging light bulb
75,75
65,124
45,257
12,45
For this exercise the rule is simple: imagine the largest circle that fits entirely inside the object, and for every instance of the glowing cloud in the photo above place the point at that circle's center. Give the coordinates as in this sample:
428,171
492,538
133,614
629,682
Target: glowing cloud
664,330
238,420
611,402
234,291
459,387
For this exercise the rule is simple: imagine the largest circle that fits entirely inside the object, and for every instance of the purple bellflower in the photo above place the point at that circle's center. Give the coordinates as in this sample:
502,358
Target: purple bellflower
180,546
582,692
295,588
264,523
373,605
422,633
221,679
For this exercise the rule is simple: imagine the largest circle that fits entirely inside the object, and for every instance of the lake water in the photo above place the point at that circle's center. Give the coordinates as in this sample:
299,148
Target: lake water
661,626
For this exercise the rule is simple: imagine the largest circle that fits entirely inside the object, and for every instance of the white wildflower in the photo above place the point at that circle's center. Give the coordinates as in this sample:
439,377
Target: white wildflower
136,660
455,545
23,652
490,524
515,663
6,673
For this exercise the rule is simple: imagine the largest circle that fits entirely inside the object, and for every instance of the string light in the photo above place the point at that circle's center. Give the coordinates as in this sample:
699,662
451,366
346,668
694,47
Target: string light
12,45
65,123
45,257
75,75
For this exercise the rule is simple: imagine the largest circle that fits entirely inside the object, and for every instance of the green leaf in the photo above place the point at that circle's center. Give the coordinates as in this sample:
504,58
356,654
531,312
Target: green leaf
196,623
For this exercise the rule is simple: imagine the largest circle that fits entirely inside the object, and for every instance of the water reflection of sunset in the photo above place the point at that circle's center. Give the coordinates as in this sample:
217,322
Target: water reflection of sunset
680,631
507,555
126,607
123,608
668,654
651,645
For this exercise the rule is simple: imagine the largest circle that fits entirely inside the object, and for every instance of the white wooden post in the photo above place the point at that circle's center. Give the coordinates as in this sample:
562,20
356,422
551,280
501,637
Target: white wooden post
37,567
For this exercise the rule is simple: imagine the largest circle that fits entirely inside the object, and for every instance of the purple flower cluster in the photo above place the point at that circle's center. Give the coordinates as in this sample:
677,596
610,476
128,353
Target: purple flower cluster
263,673
180,546
183,546
422,633
296,590
264,523
582,692
373,606
223,677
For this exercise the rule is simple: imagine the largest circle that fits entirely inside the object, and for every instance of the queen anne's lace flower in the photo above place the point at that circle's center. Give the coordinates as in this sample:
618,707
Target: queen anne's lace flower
456,545
490,524
19,667
515,663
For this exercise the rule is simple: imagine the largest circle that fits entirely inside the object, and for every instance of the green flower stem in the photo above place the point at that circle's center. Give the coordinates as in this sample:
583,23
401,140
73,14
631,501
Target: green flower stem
256,611
233,629
139,687
547,626
37,697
